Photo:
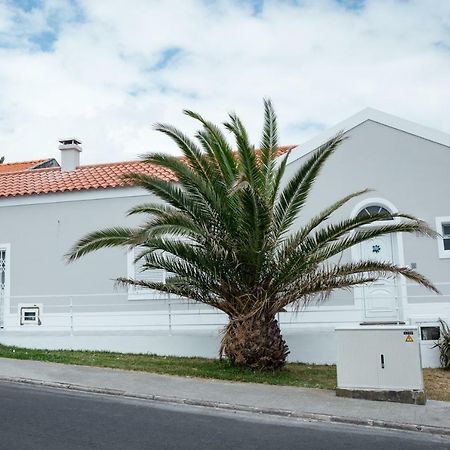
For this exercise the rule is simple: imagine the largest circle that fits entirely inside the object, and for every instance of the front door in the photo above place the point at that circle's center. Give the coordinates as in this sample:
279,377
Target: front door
380,299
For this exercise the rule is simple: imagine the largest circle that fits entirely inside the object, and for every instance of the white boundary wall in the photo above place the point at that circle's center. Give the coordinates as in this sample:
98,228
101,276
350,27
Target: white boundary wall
175,327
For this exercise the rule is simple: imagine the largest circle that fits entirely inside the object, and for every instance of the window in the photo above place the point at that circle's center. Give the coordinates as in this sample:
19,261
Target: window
2,270
135,271
374,209
430,333
446,235
443,228
4,281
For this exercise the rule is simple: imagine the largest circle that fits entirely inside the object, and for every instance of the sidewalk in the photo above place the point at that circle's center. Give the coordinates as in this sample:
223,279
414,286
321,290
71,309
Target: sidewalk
310,404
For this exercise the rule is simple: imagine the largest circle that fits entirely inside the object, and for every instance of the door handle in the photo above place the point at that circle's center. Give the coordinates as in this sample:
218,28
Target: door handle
382,361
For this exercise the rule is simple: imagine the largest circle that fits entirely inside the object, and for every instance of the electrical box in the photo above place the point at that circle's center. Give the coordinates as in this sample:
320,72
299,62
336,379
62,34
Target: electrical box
379,358
430,333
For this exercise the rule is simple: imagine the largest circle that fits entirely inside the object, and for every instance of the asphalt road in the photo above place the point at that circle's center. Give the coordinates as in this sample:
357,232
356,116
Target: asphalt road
41,418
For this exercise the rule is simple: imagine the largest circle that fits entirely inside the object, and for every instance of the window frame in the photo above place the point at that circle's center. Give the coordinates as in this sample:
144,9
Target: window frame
440,221
376,205
425,326
376,201
137,292
6,247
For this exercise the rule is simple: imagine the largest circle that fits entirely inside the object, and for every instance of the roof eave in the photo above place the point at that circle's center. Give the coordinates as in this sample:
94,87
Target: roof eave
373,115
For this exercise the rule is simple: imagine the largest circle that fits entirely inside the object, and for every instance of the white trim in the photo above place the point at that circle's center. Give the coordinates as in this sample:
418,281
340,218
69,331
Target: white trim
404,313
443,254
136,293
373,115
399,256
400,250
373,202
7,291
74,196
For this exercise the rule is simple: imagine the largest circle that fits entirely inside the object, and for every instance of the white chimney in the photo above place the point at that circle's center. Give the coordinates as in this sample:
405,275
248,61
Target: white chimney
70,154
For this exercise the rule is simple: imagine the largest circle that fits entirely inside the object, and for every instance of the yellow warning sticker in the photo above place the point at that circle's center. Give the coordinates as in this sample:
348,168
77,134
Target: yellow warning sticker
409,338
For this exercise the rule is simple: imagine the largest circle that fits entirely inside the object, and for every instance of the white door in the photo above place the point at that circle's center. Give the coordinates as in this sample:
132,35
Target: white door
380,299
2,283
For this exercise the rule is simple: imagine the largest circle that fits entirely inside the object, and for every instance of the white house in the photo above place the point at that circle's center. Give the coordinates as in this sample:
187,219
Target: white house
45,208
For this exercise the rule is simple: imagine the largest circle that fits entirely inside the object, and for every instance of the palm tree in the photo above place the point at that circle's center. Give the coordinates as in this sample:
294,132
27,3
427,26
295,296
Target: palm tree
225,234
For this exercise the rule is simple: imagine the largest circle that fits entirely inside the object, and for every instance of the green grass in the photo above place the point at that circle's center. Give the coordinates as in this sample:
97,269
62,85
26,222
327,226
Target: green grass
437,381
303,375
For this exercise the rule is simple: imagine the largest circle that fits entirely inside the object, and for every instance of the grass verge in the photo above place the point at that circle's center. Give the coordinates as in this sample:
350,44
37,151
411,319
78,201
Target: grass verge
437,381
303,375
437,384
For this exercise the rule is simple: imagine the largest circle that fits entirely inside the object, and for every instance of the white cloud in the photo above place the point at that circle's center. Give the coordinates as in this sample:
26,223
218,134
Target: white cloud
104,71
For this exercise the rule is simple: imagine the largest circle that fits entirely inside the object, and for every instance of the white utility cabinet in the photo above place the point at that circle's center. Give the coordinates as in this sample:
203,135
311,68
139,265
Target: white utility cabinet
384,357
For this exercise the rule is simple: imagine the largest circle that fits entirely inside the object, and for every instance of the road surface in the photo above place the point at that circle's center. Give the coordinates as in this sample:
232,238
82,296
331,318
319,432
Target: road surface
33,417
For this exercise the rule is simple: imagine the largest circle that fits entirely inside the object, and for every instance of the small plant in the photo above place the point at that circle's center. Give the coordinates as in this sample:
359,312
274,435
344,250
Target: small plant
444,345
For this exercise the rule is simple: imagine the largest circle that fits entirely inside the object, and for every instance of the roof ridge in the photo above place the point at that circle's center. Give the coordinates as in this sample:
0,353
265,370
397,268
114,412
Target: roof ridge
27,171
132,161
25,162
114,163
373,115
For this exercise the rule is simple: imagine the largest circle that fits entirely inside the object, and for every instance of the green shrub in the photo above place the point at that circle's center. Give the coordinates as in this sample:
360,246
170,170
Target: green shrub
444,345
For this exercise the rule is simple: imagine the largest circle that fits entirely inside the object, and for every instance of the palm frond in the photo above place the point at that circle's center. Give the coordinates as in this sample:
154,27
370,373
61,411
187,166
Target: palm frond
191,151
217,147
292,243
247,156
223,227
109,237
269,141
294,195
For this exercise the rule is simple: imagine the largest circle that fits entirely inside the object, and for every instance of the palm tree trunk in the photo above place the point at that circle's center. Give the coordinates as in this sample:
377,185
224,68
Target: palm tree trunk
254,342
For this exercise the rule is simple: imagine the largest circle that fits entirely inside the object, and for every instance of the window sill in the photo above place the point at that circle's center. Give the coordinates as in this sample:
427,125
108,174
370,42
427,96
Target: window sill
147,296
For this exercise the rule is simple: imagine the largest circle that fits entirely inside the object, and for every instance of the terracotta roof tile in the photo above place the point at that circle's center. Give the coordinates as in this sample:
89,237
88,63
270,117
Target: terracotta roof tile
19,166
23,181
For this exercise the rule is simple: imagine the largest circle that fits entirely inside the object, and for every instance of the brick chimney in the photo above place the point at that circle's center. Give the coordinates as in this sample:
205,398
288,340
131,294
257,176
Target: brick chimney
70,154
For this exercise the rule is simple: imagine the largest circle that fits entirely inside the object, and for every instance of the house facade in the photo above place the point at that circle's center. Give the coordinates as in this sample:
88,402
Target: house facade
45,208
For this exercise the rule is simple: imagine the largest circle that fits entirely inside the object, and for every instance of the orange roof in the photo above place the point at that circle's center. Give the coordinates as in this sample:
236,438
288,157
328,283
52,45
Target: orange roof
19,166
97,176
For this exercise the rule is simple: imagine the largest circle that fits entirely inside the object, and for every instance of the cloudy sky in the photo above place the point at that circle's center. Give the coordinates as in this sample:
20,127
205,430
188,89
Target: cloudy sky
105,70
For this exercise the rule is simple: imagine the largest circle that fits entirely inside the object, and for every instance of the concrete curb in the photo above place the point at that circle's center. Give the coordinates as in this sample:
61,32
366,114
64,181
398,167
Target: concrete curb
236,407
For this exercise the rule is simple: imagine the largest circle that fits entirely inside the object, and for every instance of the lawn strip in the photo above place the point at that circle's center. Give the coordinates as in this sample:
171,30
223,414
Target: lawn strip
302,375
437,381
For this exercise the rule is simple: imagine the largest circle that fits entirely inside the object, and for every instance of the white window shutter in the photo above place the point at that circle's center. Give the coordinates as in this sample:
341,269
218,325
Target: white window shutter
149,275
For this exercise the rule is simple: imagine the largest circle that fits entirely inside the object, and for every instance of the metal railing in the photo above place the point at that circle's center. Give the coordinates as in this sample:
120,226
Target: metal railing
107,311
